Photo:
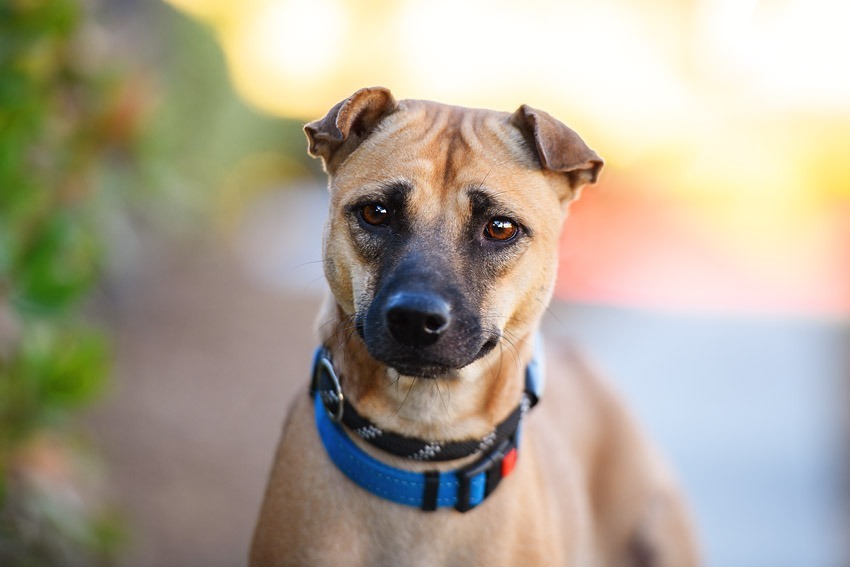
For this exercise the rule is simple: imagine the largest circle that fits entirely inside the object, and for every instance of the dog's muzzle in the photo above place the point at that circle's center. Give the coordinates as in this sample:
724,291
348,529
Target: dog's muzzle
422,333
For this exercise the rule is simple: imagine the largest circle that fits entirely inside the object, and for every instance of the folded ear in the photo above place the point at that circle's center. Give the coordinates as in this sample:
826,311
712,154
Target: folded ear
347,124
558,147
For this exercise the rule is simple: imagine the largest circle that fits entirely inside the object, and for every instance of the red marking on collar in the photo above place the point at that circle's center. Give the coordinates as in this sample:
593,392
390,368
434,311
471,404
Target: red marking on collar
509,462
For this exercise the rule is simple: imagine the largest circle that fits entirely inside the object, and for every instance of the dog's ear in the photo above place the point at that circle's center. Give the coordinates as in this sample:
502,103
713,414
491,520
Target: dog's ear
558,147
347,124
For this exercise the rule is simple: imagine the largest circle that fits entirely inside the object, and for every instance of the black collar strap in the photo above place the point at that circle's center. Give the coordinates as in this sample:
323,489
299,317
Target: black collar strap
462,488
326,384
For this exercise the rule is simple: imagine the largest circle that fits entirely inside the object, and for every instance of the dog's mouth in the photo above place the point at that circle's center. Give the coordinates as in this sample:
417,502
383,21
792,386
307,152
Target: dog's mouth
417,371
424,362
422,369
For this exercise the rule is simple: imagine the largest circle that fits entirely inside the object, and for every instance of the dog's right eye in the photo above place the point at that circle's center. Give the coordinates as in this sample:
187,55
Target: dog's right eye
375,214
501,228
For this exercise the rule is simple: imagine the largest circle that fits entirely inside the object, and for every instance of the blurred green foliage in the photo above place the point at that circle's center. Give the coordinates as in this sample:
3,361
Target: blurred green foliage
55,123
84,148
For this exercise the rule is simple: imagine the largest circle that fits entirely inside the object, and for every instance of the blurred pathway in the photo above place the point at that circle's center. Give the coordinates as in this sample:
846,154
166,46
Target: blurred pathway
207,362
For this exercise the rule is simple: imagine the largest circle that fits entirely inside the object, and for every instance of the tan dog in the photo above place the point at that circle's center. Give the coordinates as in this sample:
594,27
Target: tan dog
440,250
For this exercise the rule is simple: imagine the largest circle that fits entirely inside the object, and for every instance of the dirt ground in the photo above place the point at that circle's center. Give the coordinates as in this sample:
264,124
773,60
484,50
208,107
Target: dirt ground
206,364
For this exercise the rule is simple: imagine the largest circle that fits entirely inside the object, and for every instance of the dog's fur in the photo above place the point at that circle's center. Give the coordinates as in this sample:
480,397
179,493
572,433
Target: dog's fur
587,489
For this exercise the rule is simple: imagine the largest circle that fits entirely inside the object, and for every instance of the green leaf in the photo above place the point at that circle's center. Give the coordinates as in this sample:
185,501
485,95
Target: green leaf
57,268
76,371
62,369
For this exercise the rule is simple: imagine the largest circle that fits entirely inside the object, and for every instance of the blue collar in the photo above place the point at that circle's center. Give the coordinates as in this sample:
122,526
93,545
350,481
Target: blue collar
462,488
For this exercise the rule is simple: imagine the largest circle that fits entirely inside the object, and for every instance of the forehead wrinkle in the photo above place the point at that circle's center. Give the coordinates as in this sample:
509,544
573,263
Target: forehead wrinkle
397,153
467,162
483,152
421,143
441,151
456,146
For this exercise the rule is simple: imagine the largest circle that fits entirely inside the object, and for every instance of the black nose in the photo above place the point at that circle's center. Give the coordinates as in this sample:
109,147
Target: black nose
417,318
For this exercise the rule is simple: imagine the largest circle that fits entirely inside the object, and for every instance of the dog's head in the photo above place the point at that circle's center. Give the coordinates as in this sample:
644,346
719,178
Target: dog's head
444,223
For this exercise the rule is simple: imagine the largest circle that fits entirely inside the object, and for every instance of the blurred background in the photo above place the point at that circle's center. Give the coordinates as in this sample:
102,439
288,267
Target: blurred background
159,244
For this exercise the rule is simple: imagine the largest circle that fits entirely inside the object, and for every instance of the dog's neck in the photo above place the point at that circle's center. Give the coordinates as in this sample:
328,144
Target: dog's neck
468,403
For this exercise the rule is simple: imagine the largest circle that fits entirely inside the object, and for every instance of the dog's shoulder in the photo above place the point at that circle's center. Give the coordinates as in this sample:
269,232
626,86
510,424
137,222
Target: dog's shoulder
632,495
580,401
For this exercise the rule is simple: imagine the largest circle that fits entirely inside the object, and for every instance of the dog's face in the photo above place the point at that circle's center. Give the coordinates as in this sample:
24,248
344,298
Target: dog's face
444,222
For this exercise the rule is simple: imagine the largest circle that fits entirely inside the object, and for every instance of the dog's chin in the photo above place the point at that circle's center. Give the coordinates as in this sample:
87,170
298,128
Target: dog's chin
418,371
432,371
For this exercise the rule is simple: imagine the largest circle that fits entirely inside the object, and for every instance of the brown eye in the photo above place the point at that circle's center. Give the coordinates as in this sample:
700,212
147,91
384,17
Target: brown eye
500,228
375,214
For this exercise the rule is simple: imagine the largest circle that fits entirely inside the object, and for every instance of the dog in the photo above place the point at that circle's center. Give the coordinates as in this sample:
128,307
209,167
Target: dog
422,442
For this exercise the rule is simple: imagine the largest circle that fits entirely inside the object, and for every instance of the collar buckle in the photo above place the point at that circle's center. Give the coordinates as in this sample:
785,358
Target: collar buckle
326,384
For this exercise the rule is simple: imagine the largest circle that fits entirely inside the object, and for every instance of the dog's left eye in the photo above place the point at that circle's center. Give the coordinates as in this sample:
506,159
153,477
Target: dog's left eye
501,228
375,214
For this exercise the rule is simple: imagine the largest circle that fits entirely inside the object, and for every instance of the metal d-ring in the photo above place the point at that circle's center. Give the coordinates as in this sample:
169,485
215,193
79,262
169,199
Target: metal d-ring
325,364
